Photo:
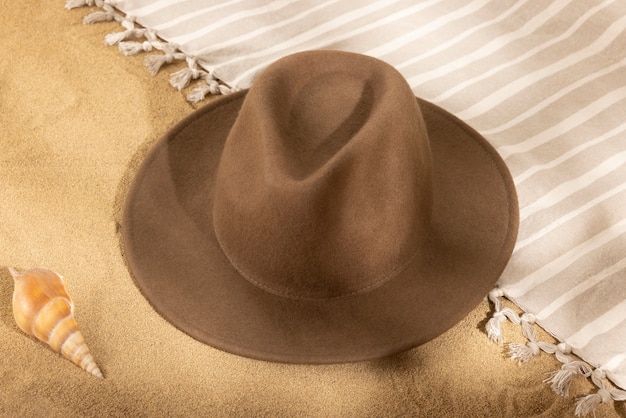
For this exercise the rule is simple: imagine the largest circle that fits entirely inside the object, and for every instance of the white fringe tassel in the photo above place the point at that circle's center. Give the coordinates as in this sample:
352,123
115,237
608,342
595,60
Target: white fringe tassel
153,63
180,79
212,86
560,380
606,394
131,32
107,14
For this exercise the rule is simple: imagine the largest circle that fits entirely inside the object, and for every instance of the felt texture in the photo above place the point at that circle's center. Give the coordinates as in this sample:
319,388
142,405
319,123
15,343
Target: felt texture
398,224
77,119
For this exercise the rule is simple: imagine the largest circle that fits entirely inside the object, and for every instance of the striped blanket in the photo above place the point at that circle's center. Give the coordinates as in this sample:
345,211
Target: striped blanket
544,81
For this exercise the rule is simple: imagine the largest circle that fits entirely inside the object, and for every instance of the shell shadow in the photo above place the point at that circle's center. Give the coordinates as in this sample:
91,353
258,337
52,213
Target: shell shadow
6,297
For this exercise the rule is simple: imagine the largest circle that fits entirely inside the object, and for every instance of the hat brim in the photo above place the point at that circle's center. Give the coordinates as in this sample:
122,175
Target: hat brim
176,262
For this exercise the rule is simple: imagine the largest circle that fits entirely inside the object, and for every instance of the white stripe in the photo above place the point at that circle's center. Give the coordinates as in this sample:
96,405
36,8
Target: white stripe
581,288
551,99
569,216
190,15
327,27
559,264
497,97
224,21
598,326
491,47
524,56
532,170
407,38
261,30
615,361
566,189
460,37
566,125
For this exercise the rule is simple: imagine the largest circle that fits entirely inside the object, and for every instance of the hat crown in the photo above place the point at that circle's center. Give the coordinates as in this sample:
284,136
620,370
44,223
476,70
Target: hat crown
324,185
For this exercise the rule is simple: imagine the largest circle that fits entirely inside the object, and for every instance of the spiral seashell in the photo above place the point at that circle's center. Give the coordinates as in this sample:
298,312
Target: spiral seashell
42,307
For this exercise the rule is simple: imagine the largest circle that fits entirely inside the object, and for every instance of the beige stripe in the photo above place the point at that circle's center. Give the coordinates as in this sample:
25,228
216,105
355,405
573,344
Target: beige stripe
600,325
528,54
333,23
462,36
407,38
569,216
580,289
327,27
145,8
555,97
499,96
228,20
537,168
490,48
567,188
234,40
565,125
167,23
549,270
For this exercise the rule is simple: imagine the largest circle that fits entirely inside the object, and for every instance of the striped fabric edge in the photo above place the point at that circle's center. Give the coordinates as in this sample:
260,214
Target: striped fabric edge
565,352
135,39
593,334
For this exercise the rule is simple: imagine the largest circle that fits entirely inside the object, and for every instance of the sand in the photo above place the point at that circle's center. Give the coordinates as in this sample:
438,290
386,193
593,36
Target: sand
76,119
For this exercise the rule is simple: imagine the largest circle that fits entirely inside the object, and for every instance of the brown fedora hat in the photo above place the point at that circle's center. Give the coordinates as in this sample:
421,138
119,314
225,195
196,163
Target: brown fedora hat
324,215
